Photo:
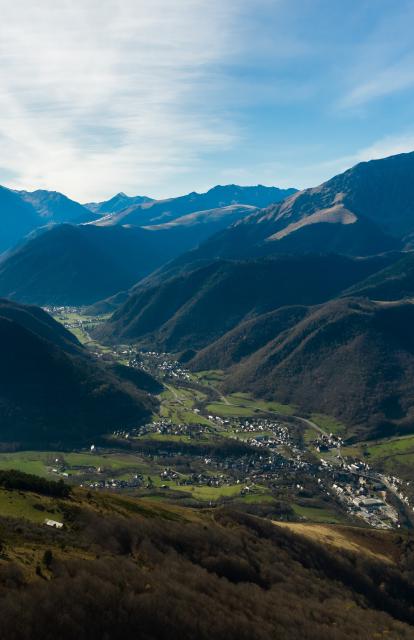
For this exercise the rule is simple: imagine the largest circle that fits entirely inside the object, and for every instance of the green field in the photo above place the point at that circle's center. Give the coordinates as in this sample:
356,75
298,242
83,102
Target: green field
242,404
71,317
317,514
215,493
229,410
393,455
177,405
327,423
214,376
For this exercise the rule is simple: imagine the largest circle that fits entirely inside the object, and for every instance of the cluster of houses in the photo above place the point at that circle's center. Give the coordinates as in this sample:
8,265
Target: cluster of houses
325,442
62,312
166,427
362,492
161,364
137,481
366,499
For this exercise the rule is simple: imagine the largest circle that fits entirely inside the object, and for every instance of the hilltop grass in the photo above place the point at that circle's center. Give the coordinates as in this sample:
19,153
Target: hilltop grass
40,462
376,544
18,504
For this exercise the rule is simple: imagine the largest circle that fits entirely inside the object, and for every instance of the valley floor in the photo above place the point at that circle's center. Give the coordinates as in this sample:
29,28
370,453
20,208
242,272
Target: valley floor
207,449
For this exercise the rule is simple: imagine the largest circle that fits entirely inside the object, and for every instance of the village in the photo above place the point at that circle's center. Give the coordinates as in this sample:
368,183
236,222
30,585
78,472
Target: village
272,462
276,460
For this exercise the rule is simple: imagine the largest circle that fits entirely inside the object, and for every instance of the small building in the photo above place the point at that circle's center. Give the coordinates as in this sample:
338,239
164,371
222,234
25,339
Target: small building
53,523
371,503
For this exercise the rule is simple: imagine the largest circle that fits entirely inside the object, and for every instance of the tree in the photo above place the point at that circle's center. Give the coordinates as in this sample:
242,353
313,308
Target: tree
48,557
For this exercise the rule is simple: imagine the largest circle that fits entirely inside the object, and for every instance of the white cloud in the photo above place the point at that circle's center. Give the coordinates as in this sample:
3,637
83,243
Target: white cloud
97,96
385,82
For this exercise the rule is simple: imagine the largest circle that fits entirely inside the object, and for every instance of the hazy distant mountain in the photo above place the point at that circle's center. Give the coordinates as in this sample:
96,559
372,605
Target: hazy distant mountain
117,203
350,358
186,232
190,310
17,218
80,265
52,206
22,212
51,389
163,211
211,219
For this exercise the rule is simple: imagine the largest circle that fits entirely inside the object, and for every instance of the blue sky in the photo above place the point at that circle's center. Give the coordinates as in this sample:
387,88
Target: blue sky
161,98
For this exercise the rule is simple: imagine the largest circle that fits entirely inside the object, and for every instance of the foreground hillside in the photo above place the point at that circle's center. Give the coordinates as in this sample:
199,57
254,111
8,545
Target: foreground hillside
51,389
127,568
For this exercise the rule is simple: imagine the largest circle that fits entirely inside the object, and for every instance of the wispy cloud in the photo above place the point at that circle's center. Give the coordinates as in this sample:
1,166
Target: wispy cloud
158,97
102,95
381,63
385,82
286,171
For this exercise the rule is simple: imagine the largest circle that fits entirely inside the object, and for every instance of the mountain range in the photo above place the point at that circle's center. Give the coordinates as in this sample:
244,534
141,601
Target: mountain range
116,203
87,260
24,211
365,210
307,301
162,211
288,298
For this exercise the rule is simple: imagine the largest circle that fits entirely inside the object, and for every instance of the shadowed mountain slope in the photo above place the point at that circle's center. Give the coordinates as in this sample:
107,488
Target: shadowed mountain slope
366,210
350,358
192,309
51,389
80,265
392,283
247,338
